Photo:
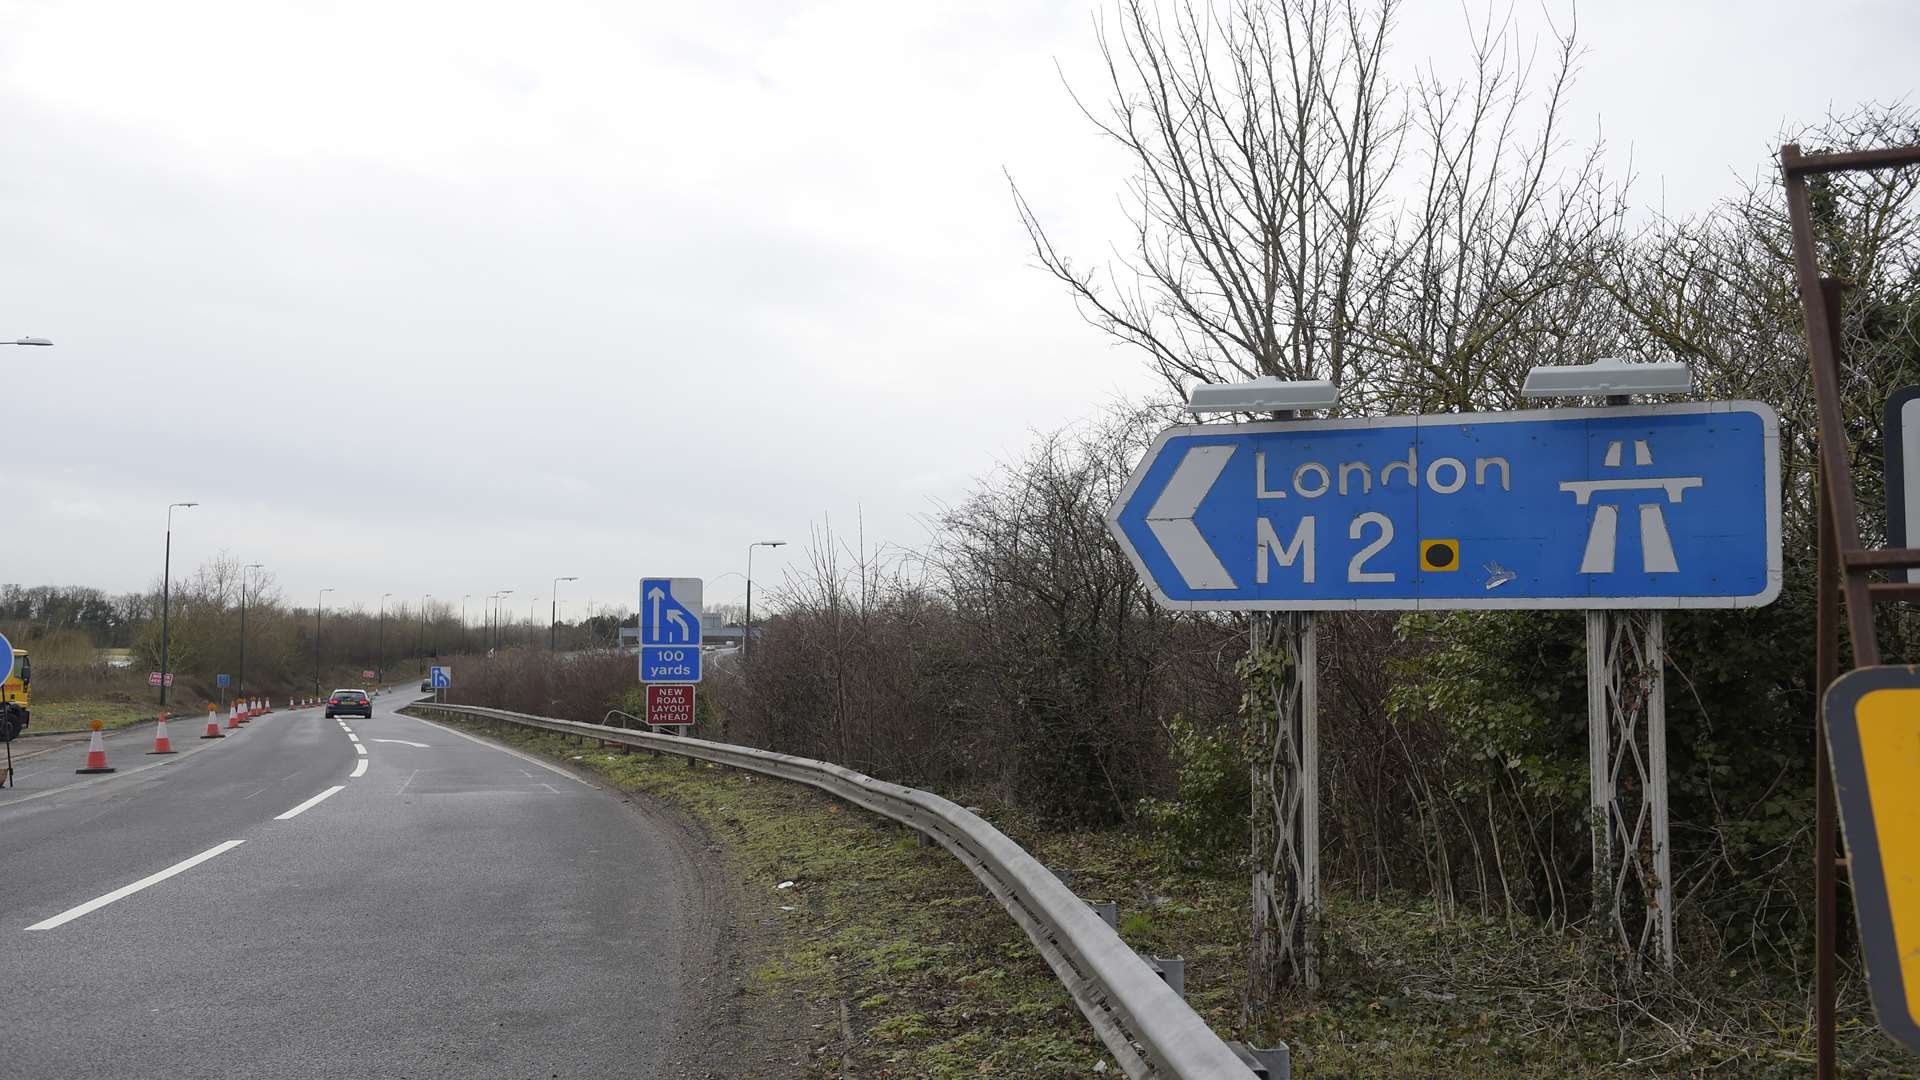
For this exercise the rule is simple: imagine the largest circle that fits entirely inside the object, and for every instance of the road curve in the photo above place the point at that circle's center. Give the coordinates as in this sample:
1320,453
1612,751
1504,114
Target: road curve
265,906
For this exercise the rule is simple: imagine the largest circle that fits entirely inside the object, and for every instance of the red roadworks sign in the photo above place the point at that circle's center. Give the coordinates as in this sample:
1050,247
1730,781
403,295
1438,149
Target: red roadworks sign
154,678
669,705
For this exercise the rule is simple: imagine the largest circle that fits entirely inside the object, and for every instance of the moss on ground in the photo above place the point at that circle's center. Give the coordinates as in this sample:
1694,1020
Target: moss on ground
938,982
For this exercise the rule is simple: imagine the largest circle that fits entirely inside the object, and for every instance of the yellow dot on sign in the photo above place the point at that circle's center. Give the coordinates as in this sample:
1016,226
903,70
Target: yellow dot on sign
95,725
1439,555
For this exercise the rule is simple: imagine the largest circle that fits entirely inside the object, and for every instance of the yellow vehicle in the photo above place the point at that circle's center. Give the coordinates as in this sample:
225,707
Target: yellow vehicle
16,695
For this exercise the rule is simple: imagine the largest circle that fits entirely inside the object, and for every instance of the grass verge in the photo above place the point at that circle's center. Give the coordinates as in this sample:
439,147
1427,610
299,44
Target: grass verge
59,716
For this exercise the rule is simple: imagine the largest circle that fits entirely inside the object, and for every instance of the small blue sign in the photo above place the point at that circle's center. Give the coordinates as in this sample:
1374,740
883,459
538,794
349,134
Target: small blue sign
670,611
670,663
6,658
439,678
223,681
1659,506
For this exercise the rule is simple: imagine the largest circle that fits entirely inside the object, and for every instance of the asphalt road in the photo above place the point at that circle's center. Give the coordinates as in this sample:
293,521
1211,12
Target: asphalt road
451,909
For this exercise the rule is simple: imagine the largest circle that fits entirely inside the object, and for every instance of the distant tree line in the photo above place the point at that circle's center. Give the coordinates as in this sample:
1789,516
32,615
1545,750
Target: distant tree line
69,628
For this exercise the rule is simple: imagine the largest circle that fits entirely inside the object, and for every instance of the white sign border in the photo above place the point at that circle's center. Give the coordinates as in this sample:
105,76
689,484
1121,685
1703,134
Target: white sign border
1770,424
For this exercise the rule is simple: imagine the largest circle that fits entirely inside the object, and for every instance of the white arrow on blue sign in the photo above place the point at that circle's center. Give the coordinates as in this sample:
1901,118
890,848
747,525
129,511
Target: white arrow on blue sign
1659,506
439,678
6,658
670,629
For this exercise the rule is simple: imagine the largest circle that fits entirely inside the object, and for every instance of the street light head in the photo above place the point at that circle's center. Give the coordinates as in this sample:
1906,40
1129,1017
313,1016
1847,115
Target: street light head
1266,394
172,505
773,543
30,341
1608,376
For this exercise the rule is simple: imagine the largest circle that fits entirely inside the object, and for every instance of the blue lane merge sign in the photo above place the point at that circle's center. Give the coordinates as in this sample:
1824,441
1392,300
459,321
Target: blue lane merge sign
670,663
670,611
1660,506
440,678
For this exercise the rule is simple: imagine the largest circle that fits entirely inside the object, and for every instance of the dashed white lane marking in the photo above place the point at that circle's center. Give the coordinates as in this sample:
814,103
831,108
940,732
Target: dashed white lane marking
351,737
496,746
360,748
359,769
310,803
125,891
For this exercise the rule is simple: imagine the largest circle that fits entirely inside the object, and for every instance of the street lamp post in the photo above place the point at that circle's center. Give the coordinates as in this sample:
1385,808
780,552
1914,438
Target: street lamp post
166,575
553,616
423,631
463,621
380,669
499,615
746,639
242,689
319,606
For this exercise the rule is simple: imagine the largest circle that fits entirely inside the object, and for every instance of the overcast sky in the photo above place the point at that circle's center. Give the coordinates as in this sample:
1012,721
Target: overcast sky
454,298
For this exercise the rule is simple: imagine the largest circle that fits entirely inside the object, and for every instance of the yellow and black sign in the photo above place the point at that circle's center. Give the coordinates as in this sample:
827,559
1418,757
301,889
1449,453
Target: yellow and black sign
1873,734
1439,554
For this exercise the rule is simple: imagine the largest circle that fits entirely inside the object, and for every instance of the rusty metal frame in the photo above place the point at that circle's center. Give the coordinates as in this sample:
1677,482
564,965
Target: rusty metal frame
1844,565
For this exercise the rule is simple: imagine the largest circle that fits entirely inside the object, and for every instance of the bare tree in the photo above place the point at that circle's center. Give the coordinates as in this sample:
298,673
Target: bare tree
1298,212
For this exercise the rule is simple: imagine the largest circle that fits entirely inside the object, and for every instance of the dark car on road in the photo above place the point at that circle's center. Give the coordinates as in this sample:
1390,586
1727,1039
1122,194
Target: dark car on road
349,703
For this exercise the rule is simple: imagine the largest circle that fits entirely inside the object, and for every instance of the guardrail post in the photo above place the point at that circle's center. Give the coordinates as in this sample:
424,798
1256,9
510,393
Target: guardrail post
1274,1064
1172,971
1108,911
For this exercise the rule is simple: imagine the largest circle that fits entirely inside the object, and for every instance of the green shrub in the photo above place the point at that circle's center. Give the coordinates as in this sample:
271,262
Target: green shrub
1204,827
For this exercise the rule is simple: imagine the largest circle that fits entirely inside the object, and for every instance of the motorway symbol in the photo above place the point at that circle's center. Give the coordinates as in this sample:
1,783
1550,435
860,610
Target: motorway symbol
6,658
669,664
223,680
439,678
670,706
1661,506
1903,470
670,611
1873,736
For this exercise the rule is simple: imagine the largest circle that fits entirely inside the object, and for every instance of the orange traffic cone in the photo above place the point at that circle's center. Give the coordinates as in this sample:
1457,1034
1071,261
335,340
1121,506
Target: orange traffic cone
96,752
213,723
242,712
233,718
160,743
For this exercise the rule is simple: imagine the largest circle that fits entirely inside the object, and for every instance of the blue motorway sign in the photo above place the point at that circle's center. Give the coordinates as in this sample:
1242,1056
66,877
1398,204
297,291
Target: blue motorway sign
670,611
223,680
439,678
1656,506
670,663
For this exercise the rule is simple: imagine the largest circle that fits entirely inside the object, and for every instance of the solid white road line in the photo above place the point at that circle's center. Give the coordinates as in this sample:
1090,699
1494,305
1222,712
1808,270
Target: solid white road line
310,803
359,769
403,742
515,753
360,748
125,891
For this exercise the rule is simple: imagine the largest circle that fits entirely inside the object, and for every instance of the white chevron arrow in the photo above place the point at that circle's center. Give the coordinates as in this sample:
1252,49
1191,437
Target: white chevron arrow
1171,518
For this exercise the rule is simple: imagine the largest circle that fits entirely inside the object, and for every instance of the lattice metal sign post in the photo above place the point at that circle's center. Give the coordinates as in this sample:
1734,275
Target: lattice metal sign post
1639,508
